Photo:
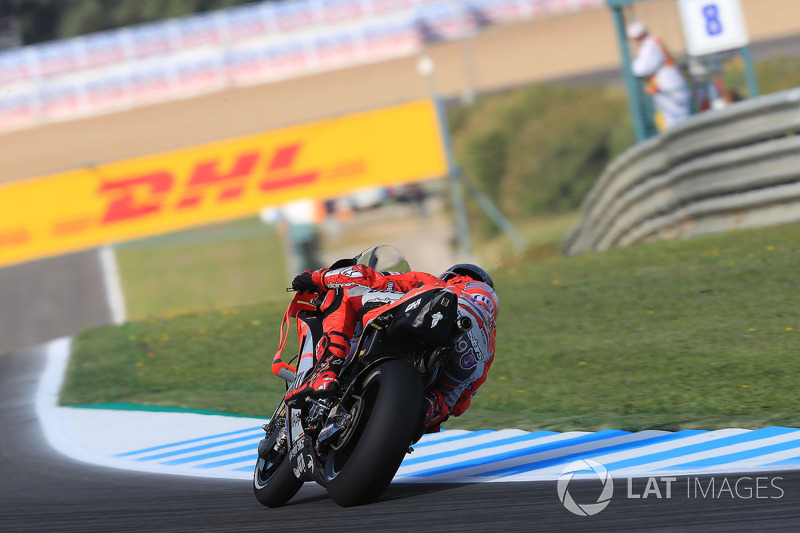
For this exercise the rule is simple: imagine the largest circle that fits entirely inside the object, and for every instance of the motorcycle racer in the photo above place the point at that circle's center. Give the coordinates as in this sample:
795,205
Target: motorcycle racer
355,294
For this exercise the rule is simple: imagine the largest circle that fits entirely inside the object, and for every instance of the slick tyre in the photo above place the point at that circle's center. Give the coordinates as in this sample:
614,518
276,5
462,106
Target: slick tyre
274,483
392,401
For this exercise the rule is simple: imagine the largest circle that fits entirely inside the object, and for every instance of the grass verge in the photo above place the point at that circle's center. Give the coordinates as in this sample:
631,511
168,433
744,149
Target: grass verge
215,266
701,333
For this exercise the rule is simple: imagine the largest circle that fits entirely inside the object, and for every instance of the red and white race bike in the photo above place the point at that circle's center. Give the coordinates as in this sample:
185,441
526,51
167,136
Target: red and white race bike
353,442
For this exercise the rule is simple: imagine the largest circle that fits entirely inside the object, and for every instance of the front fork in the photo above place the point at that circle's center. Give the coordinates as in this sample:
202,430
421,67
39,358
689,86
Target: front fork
303,457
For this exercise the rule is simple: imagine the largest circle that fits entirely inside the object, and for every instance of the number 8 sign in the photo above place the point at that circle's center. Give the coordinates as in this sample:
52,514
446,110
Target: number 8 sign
712,26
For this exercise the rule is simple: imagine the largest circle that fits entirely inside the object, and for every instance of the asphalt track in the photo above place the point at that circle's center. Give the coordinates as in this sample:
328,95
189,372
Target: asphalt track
41,490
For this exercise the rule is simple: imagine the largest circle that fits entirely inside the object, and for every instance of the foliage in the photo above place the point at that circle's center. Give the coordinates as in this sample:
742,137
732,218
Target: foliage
699,333
539,149
773,75
46,20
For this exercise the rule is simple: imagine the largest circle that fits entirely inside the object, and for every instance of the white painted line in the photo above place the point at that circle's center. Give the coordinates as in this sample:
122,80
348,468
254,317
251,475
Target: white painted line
724,450
112,283
584,449
766,459
554,470
74,432
449,441
665,446
456,455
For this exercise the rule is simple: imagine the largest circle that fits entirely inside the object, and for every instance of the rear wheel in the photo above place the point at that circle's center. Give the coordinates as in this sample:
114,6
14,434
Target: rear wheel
388,411
274,483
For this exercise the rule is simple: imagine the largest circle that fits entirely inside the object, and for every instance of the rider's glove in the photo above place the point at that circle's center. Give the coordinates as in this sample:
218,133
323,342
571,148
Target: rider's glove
304,283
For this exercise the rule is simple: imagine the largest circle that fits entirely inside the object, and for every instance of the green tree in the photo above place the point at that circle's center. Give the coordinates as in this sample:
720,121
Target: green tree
46,20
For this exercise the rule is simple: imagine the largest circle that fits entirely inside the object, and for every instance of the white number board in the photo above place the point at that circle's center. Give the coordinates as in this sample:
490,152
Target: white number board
712,26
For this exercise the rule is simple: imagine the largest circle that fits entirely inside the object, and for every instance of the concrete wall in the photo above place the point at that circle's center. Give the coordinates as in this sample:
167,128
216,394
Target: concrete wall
734,168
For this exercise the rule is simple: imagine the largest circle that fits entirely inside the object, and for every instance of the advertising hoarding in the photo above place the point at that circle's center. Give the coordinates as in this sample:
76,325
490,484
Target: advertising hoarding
134,198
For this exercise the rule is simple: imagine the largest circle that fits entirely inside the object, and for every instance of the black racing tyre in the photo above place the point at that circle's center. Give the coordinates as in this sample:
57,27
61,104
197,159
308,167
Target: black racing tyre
274,483
359,471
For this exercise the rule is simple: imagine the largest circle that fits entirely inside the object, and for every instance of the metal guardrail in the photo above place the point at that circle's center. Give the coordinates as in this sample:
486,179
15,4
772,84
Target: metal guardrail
733,168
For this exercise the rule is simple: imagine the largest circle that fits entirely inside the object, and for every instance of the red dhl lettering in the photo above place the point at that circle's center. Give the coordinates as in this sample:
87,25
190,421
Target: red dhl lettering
231,184
73,225
146,195
125,205
279,172
14,237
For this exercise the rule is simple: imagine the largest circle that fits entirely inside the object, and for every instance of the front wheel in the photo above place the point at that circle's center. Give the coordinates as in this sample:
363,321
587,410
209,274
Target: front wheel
274,484
359,470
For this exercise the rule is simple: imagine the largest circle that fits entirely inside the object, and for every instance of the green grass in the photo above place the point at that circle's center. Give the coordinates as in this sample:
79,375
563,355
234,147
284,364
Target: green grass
221,265
538,149
701,333
216,360
696,333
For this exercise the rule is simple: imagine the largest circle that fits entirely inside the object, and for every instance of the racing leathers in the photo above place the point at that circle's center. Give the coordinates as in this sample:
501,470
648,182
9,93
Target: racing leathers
357,294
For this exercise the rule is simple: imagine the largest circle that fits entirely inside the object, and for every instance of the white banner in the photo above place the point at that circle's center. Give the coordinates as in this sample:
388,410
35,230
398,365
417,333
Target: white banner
712,26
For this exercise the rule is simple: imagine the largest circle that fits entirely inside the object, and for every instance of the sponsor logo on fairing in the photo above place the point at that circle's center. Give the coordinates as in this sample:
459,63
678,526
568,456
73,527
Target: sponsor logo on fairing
468,360
435,319
301,466
413,305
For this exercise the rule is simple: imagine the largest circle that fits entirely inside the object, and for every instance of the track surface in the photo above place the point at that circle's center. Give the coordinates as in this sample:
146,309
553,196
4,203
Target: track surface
43,491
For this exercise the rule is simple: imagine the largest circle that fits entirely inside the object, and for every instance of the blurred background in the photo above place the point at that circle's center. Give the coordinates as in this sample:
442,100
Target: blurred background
529,106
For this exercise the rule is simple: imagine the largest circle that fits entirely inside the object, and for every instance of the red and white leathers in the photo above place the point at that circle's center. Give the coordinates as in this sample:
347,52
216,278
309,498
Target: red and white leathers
358,294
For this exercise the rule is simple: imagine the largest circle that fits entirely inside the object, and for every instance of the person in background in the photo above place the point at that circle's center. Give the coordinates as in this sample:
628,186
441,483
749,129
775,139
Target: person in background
663,79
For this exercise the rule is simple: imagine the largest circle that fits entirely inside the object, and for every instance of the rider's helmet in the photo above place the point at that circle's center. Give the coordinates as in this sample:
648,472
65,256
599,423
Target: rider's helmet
479,292
467,269
384,258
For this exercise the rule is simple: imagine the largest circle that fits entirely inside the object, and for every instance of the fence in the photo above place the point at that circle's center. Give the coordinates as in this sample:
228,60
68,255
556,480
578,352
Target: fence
733,168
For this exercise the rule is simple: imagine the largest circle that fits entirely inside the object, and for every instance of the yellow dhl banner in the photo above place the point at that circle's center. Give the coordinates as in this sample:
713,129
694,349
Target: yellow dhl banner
155,194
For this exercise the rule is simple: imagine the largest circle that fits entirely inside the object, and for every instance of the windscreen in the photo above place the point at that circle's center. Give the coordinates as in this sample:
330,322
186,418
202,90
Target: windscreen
384,258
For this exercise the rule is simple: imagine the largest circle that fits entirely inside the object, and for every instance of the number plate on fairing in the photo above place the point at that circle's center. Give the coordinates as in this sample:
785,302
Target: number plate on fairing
295,425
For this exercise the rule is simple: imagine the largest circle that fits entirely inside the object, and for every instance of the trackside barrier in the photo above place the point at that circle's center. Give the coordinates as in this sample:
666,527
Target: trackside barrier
733,168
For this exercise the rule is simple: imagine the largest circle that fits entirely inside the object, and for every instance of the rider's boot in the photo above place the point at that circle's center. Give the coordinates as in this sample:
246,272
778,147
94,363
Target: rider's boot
324,379
436,411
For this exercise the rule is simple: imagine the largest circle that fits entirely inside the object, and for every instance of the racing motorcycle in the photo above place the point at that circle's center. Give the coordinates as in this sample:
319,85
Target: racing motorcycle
353,442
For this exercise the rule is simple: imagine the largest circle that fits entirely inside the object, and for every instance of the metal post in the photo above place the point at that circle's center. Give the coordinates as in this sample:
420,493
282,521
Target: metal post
750,74
457,184
426,69
631,83
454,180
469,95
496,215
